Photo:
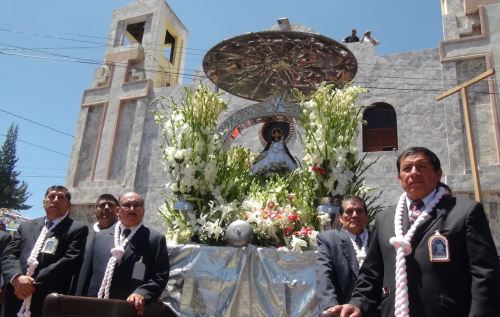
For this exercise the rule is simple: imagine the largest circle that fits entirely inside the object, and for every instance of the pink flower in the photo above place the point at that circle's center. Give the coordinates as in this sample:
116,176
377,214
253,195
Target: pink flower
293,217
287,231
306,231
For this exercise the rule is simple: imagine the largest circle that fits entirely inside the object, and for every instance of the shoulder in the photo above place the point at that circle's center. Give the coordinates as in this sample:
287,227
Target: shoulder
460,206
77,224
331,235
153,234
73,227
105,233
29,224
4,236
154,239
32,222
386,213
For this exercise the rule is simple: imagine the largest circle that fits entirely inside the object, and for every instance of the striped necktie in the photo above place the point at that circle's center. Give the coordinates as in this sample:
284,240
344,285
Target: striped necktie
416,209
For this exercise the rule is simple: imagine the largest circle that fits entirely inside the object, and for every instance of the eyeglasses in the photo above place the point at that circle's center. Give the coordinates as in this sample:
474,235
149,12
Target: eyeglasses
130,204
350,211
102,205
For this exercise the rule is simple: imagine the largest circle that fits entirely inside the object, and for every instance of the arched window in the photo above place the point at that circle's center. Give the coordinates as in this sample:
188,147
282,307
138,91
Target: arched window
381,130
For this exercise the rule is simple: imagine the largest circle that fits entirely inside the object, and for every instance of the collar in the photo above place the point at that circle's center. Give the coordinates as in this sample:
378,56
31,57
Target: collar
427,199
122,227
57,220
363,235
96,227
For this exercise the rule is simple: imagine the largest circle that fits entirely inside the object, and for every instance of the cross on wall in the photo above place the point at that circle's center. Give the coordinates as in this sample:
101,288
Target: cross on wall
118,89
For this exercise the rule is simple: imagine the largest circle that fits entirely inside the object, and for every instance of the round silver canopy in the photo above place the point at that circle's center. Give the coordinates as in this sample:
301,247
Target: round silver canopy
259,65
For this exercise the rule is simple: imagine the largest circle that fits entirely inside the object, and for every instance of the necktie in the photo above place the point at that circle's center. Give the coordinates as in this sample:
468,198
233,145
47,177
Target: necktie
49,224
126,233
416,209
358,241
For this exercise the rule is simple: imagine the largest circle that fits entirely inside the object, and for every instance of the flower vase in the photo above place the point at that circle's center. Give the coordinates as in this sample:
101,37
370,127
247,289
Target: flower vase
184,207
327,212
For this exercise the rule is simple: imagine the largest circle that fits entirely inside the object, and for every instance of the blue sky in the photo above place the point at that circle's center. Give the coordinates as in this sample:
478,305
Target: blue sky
49,51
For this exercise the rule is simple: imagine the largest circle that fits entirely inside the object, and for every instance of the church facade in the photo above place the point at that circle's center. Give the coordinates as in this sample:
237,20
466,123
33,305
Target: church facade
117,144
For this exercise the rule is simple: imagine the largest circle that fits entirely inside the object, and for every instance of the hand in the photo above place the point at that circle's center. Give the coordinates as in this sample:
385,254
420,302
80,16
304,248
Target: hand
24,286
346,310
138,301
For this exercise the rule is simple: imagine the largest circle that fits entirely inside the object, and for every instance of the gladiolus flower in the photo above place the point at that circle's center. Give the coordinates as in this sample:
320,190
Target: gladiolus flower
318,169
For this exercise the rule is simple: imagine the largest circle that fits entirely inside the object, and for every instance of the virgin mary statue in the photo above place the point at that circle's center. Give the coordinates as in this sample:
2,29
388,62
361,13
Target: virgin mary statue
275,158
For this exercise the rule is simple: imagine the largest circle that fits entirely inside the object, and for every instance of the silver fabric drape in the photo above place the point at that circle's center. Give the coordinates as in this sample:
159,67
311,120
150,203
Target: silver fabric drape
250,281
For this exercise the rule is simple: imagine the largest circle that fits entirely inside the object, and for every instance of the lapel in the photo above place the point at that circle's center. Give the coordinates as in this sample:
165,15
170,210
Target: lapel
110,239
61,227
132,245
37,228
406,219
430,223
349,253
369,237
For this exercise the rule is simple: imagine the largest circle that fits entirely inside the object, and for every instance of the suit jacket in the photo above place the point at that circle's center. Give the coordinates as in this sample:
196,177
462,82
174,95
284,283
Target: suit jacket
468,285
4,240
54,272
147,246
336,268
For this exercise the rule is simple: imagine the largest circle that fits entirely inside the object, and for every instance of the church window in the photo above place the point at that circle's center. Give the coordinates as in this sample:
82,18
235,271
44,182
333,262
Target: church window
380,132
169,47
135,32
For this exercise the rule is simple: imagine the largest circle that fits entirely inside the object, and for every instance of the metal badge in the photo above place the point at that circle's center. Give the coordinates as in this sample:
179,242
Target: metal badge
438,248
50,246
139,270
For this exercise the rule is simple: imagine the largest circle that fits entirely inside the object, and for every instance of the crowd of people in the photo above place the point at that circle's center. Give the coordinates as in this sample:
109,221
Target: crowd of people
118,258
431,254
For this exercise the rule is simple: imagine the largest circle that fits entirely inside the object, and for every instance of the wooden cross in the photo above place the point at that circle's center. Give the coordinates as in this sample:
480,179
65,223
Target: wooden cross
468,126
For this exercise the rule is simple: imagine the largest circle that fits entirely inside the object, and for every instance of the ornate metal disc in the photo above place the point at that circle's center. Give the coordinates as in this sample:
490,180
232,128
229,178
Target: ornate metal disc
262,64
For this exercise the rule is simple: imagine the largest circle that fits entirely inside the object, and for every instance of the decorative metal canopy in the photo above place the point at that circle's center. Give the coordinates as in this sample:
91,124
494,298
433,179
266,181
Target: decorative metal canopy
262,64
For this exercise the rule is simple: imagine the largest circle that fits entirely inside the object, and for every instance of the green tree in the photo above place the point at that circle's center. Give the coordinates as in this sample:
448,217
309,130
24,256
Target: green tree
13,192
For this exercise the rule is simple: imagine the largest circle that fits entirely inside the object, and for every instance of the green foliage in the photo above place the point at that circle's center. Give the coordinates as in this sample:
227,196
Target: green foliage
13,192
234,184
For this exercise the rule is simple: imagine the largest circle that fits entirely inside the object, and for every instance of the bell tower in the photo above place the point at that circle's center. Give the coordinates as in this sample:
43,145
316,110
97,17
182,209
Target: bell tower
148,39
144,52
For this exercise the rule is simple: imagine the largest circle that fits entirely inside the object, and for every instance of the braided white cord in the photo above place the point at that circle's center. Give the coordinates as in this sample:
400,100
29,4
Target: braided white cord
402,244
360,252
116,255
32,265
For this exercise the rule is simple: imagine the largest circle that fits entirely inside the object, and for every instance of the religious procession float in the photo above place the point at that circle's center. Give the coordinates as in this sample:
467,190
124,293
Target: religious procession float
225,194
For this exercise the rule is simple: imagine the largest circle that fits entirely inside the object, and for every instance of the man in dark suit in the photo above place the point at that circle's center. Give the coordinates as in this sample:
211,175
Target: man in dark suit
340,254
62,244
466,282
4,240
142,269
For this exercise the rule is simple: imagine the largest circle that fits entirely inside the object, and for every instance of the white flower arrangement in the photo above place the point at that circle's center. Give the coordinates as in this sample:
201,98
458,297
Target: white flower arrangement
331,120
280,209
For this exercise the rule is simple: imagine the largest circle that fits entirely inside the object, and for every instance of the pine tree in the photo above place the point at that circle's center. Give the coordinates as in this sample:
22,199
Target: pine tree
13,193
